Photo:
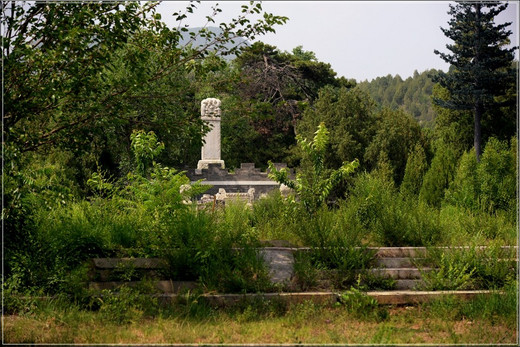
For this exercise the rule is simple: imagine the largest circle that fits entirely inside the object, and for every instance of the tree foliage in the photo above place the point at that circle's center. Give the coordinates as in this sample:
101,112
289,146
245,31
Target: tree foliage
349,115
267,92
481,66
439,175
396,133
413,94
315,184
61,63
80,77
416,167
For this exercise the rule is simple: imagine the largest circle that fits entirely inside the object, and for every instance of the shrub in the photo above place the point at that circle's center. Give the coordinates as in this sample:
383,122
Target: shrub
462,226
218,248
416,167
438,176
336,244
305,271
465,188
275,217
314,184
495,307
497,176
361,305
394,219
469,268
127,305
489,185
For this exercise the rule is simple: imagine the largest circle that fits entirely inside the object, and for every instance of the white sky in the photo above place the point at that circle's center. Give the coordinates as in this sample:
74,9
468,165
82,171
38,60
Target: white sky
360,39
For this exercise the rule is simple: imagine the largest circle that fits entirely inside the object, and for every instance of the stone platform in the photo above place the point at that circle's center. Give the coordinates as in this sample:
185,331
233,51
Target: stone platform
242,180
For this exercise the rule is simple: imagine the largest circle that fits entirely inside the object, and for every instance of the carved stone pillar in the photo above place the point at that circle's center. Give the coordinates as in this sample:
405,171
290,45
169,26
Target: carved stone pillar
210,153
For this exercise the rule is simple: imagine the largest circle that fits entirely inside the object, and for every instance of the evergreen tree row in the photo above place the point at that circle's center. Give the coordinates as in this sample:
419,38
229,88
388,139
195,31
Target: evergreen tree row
413,94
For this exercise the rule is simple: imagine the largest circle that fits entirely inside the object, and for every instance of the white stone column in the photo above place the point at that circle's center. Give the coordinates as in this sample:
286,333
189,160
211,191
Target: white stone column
210,153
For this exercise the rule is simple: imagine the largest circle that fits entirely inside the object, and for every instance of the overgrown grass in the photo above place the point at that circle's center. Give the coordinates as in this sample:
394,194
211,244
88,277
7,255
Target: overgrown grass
375,213
500,307
355,320
470,267
149,217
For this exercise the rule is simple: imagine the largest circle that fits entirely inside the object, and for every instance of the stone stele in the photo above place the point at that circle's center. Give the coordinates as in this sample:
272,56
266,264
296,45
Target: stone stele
210,153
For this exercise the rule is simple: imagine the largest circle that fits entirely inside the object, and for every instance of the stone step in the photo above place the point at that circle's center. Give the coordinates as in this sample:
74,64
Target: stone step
396,262
420,252
136,263
160,286
398,297
399,273
409,297
399,252
408,284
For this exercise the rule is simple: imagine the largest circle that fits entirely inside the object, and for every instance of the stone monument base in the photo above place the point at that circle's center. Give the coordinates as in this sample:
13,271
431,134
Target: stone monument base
237,184
204,164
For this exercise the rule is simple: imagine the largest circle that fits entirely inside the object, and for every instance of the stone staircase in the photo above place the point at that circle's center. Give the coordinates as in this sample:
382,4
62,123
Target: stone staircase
398,263
405,265
401,264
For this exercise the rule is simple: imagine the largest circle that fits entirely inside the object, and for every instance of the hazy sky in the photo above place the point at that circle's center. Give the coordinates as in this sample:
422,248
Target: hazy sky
360,39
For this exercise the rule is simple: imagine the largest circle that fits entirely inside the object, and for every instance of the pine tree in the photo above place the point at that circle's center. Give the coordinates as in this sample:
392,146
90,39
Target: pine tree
481,66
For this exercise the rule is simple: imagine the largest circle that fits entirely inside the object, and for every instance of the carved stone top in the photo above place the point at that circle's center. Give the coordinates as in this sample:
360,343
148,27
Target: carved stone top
210,108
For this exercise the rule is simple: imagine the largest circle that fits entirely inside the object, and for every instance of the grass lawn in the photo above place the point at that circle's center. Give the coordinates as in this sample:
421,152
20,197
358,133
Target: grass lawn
448,322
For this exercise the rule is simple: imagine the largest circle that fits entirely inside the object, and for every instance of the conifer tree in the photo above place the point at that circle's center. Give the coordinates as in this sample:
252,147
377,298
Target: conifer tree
481,66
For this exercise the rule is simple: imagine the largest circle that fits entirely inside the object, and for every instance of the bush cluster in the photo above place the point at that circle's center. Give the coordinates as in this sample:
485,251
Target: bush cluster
150,213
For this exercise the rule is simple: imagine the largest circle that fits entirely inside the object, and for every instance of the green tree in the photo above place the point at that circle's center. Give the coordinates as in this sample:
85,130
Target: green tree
267,92
80,77
451,126
439,176
396,133
413,95
315,183
145,148
481,64
349,115
497,175
60,62
465,189
489,185
416,167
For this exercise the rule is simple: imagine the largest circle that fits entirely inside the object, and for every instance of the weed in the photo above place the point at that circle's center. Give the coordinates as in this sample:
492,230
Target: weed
495,307
189,305
361,305
127,305
395,219
258,308
469,267
305,271
450,275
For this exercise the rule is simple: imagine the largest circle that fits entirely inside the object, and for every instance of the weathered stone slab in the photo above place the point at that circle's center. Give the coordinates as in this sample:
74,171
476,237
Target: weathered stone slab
394,262
223,300
399,252
416,297
402,297
137,263
399,273
161,286
280,264
408,284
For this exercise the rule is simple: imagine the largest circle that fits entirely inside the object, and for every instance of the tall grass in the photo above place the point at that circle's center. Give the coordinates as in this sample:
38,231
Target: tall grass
496,308
470,267
275,217
391,218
